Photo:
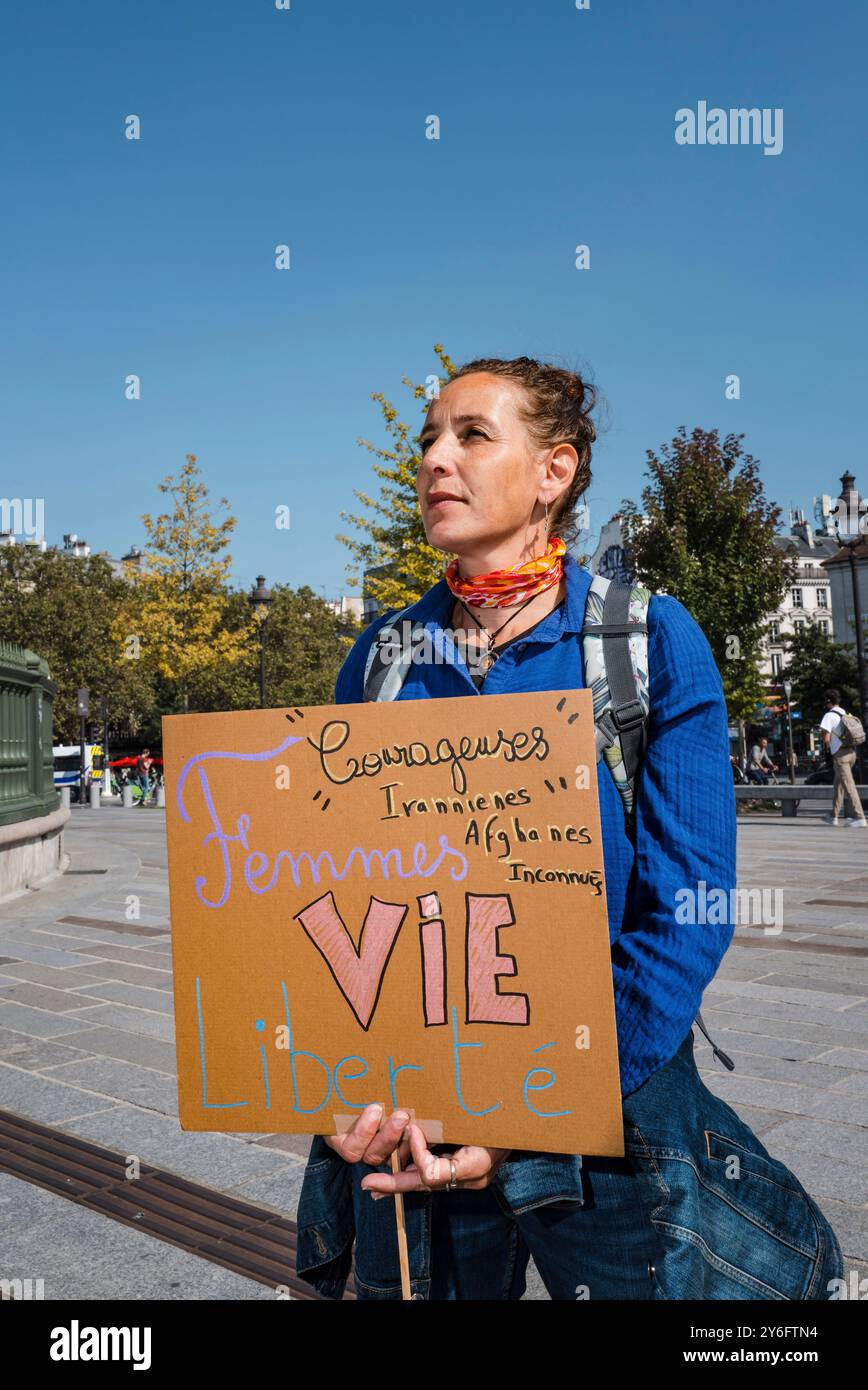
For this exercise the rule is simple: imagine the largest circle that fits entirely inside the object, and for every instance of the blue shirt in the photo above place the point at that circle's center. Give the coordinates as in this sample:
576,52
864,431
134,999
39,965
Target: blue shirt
684,809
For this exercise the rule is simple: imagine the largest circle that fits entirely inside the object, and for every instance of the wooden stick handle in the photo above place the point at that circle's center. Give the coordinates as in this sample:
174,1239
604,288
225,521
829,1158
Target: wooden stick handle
403,1253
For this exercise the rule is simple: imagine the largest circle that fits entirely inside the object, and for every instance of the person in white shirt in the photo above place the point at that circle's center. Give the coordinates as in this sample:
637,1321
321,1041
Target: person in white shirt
843,758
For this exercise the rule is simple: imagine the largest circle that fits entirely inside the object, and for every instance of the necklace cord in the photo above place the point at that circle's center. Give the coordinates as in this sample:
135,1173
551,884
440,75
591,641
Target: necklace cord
489,636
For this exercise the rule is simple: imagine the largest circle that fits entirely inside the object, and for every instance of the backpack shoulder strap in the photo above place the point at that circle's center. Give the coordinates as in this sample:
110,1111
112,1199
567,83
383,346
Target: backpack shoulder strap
390,656
615,650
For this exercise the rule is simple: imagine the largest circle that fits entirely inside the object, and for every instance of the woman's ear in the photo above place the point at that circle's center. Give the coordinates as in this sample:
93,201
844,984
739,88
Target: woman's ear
561,469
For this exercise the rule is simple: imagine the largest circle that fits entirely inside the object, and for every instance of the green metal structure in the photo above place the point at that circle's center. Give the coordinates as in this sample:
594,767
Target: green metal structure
26,760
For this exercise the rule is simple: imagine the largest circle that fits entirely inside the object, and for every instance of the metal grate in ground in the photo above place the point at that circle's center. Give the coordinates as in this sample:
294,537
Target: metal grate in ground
241,1236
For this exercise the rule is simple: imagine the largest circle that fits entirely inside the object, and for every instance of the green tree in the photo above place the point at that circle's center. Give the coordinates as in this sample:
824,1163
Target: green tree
174,620
305,647
816,662
63,607
705,534
395,546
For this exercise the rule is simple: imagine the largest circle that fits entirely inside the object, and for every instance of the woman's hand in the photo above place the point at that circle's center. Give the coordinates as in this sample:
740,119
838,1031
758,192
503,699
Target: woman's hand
473,1166
366,1142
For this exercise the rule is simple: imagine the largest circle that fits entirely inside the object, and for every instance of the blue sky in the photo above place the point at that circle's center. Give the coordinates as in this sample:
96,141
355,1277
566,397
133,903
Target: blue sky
307,127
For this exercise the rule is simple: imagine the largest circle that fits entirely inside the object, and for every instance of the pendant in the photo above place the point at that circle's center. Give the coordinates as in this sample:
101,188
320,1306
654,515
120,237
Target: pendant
486,662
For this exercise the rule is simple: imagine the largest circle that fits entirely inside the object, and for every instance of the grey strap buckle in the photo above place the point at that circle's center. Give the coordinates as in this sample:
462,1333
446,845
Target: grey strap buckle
627,716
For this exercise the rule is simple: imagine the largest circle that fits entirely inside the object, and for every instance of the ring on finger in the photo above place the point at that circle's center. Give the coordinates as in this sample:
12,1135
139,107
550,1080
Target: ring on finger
452,1179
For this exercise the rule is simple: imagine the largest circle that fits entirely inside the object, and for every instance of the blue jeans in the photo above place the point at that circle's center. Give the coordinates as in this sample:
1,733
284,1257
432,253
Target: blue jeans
697,1209
605,1247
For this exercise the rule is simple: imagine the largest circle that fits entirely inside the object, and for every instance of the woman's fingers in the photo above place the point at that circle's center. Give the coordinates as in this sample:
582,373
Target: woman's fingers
434,1169
367,1141
428,1172
472,1167
352,1145
387,1140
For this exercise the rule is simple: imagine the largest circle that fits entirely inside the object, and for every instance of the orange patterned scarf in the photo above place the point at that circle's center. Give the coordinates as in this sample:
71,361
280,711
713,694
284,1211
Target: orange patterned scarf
503,588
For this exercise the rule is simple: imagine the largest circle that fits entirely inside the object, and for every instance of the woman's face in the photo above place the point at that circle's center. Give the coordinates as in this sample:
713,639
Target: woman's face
476,449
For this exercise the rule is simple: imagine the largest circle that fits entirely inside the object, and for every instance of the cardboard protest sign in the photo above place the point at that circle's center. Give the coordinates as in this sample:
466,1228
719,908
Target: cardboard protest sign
400,902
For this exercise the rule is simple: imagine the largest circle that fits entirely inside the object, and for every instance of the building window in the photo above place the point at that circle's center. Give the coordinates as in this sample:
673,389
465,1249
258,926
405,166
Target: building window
775,630
776,663
822,598
797,598
823,625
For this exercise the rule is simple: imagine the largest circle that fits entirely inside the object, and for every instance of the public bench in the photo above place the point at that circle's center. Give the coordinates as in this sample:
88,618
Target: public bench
789,796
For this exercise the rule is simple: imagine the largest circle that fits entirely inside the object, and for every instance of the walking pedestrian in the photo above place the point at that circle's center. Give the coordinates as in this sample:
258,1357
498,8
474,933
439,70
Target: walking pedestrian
838,740
144,762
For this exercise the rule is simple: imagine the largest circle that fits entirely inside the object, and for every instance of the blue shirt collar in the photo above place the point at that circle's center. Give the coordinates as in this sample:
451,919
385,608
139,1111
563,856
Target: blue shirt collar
435,606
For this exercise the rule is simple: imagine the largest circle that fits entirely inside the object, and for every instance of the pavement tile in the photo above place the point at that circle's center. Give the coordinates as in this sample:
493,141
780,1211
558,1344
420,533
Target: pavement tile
72,977
298,1144
747,989
44,1099
151,976
850,1226
68,933
107,1076
852,1084
280,1189
212,1158
778,1069
791,1029
44,997
820,983
131,954
825,1137
850,1057
157,1000
769,1095
841,1105
129,1020
35,1054
838,1178
38,1023
126,1047
760,1007
47,955
760,1043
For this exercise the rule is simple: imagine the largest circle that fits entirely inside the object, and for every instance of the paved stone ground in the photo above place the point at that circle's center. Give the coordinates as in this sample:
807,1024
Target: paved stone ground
87,1044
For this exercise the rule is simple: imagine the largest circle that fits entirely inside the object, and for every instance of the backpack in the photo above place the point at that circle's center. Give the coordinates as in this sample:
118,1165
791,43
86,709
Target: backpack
850,731
615,653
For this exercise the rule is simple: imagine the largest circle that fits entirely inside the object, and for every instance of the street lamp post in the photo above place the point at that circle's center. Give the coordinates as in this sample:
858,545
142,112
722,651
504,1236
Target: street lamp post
850,524
791,757
82,709
106,777
261,599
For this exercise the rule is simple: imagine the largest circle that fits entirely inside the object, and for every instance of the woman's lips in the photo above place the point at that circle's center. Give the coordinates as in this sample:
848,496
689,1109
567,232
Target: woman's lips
441,502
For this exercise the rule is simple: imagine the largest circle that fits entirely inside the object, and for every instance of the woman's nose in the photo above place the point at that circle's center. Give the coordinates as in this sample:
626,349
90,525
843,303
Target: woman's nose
436,463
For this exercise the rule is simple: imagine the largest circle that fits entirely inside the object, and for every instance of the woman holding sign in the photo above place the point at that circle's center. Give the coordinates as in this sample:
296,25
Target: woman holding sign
697,1208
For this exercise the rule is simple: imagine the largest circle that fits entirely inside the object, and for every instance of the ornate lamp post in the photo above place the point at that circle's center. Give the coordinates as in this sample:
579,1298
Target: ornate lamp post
261,599
791,757
851,525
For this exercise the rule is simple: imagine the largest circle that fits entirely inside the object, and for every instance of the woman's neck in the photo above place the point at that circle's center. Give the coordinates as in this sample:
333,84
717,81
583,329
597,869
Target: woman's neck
491,618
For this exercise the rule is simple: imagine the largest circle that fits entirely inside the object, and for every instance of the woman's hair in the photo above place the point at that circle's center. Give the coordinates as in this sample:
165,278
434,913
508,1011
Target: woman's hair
557,410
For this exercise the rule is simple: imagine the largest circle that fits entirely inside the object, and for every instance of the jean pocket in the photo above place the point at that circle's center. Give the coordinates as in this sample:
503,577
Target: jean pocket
739,1225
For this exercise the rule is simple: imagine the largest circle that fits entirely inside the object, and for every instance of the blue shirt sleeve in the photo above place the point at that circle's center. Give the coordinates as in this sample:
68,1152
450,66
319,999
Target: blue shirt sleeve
685,838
